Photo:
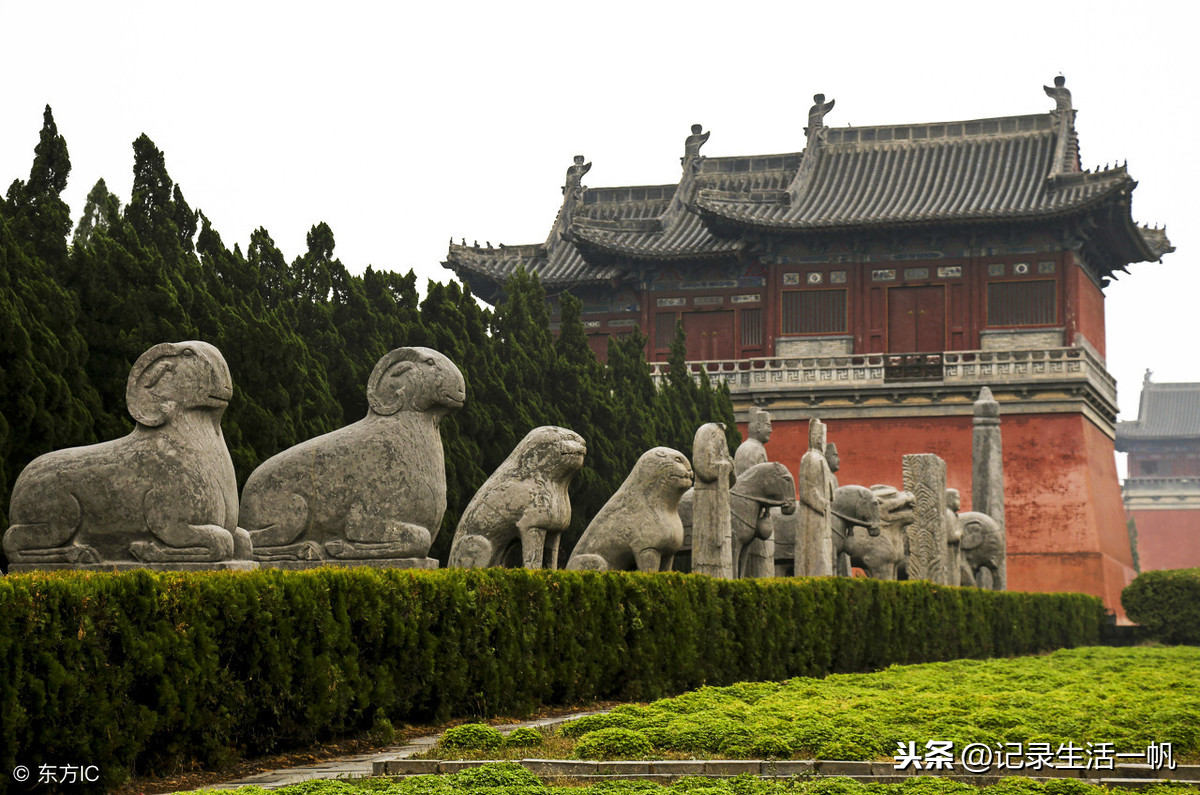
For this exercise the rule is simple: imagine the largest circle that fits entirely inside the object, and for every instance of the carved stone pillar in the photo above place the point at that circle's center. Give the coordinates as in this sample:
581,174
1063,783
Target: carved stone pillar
925,478
987,471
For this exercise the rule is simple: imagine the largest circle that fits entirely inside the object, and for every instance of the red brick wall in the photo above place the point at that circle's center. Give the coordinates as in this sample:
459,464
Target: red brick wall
1089,309
1066,522
1168,539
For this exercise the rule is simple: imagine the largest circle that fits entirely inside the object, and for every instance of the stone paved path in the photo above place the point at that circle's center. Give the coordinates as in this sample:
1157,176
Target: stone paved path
362,765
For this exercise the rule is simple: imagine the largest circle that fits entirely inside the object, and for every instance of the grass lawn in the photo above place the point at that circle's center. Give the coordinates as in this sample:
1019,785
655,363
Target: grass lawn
1128,698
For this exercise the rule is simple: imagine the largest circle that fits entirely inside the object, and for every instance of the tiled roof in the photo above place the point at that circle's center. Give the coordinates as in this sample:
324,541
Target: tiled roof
1166,411
988,170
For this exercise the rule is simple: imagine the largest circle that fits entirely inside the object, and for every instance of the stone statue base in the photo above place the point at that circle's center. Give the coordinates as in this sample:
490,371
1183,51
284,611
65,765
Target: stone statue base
374,563
222,565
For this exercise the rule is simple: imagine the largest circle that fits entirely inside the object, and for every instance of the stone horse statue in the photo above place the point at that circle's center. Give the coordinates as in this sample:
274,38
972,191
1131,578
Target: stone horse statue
757,490
883,554
853,506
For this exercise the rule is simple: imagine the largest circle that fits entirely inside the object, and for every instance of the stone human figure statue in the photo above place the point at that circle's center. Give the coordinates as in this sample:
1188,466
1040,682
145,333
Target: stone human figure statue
753,450
814,537
954,535
712,542
759,556
834,460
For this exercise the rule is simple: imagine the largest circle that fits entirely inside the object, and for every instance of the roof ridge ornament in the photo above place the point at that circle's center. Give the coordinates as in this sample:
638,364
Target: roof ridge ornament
575,174
816,114
1060,93
1066,153
691,147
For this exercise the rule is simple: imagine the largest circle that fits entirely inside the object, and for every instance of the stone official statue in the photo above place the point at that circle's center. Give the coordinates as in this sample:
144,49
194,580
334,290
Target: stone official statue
712,544
814,538
758,558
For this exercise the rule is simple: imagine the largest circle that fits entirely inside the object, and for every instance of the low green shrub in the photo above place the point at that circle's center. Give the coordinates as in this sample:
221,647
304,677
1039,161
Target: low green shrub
503,779
613,743
590,723
159,670
1166,603
472,737
1131,697
497,774
524,737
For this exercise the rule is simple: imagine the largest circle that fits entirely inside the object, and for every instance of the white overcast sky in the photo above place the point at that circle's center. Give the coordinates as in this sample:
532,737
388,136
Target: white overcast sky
402,125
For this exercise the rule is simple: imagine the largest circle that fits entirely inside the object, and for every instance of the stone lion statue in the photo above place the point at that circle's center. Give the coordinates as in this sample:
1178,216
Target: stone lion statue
518,515
639,527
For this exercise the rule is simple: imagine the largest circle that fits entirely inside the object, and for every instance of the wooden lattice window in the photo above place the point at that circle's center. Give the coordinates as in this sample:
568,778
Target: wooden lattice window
664,329
1022,303
752,328
814,311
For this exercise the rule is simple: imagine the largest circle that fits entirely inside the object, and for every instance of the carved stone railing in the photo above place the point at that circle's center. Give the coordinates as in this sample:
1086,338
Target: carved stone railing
1154,484
951,368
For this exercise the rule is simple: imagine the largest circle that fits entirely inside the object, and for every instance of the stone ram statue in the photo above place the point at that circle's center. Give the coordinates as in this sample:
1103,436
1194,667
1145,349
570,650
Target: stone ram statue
518,515
165,495
639,527
374,490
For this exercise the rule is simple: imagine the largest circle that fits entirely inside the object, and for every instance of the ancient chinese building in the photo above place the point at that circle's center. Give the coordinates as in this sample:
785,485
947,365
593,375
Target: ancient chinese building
1162,490
877,279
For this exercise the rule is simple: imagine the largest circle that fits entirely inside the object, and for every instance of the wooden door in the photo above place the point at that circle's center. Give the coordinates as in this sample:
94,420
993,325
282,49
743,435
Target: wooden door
709,335
917,319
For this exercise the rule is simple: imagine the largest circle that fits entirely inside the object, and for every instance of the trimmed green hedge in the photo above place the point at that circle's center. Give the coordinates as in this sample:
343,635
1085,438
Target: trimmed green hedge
1166,603
149,671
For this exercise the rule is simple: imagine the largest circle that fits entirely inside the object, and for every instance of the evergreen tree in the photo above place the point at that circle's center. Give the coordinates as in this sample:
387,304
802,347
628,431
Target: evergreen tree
635,395
40,218
469,434
99,212
46,400
581,391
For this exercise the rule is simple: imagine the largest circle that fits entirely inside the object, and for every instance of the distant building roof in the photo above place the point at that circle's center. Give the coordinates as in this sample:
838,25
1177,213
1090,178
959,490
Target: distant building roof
1166,412
1009,169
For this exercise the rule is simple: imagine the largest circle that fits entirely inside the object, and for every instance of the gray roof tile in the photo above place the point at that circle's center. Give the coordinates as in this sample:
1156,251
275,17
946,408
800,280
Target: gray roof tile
1166,411
1002,169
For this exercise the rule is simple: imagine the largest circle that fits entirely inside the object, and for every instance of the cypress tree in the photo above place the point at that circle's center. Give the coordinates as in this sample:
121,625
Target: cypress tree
40,218
582,394
46,400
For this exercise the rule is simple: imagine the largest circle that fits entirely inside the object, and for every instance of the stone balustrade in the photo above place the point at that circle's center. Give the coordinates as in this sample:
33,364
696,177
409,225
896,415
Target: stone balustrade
1164,485
951,368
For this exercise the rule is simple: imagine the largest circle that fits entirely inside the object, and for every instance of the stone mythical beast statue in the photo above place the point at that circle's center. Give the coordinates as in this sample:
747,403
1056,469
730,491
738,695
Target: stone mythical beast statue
639,527
165,495
518,515
372,491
